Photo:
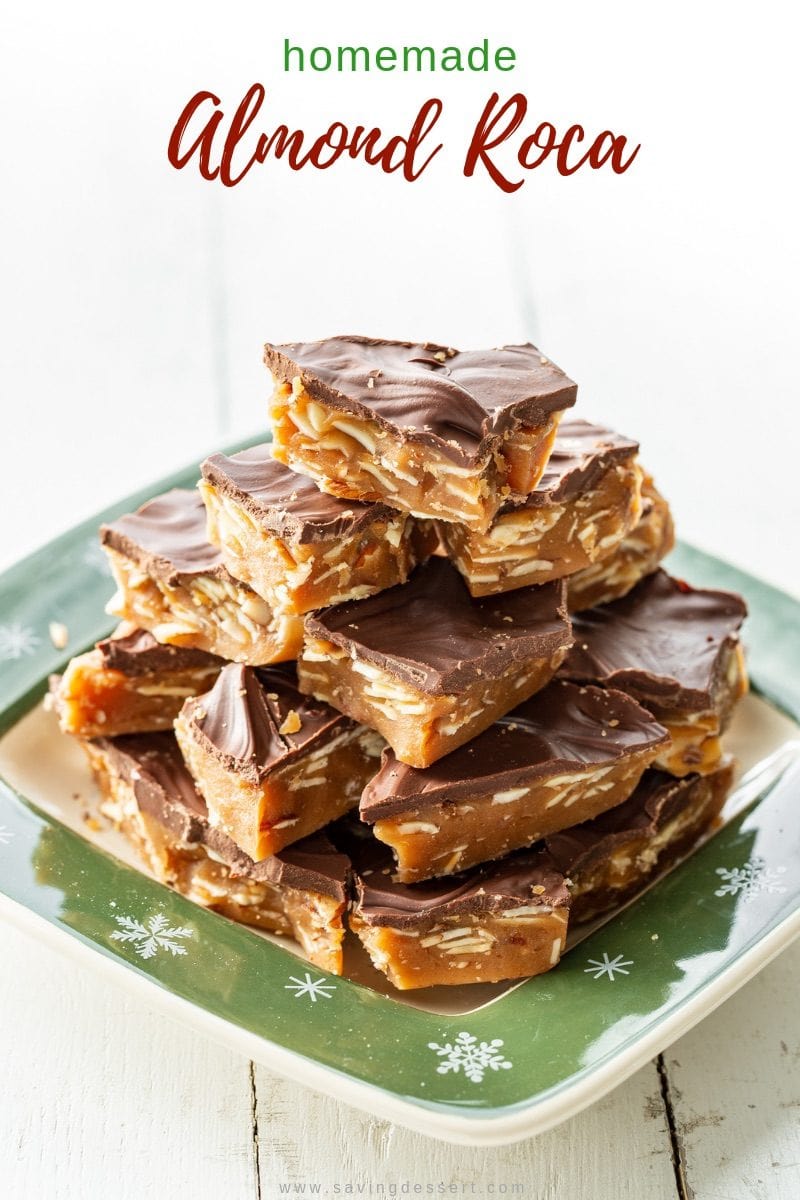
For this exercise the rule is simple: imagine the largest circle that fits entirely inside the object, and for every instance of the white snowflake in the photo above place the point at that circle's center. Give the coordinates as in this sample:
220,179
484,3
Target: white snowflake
94,557
148,939
751,879
608,966
6,835
469,1055
17,640
313,988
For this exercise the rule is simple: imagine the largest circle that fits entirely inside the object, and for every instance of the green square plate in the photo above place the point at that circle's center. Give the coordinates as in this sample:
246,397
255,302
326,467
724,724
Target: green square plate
530,1057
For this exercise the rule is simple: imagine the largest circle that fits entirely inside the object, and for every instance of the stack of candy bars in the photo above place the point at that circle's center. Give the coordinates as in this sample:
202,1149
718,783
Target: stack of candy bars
411,668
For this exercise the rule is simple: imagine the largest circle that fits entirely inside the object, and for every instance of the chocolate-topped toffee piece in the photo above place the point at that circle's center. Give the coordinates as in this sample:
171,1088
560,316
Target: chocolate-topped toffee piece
129,683
434,431
502,920
587,501
173,582
296,546
560,758
676,650
149,794
272,764
612,857
636,556
428,666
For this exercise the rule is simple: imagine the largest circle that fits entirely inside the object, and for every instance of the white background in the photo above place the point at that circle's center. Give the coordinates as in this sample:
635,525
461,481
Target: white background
134,302
136,298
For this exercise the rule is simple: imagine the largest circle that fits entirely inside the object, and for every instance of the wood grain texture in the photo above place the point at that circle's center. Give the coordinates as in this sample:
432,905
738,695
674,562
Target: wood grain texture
735,1088
101,1098
620,1147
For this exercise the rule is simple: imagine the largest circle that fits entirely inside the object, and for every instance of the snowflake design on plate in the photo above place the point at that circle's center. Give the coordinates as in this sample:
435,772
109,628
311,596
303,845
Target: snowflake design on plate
156,934
17,640
313,988
469,1055
610,967
751,879
94,557
6,835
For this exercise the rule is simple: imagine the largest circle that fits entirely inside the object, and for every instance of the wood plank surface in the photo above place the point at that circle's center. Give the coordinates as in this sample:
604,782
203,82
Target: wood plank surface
306,1140
102,1099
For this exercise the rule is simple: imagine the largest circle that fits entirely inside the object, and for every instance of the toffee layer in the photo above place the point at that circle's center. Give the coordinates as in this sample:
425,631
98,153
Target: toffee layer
272,764
150,796
129,683
637,555
562,757
611,858
429,667
295,545
586,503
428,429
173,582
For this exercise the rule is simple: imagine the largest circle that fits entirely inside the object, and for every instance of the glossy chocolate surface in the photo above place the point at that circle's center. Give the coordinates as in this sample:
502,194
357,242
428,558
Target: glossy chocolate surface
431,633
167,537
664,643
244,719
288,505
450,398
563,727
525,877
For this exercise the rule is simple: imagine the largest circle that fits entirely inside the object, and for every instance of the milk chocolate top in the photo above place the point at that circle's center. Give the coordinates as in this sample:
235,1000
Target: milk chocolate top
448,398
152,765
431,633
288,505
581,455
665,643
562,728
523,878
138,653
167,538
243,720
656,801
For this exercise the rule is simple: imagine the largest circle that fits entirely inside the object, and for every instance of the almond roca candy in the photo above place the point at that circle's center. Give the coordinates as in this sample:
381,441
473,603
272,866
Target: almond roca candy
676,650
428,666
151,797
172,581
587,501
562,757
437,432
612,857
129,683
636,556
272,764
501,920
298,547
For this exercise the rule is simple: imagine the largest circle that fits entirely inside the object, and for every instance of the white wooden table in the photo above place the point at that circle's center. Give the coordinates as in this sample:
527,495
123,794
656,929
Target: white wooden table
136,303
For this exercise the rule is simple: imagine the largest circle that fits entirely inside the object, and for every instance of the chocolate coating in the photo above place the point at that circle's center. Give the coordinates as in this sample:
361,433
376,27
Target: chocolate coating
492,887
655,802
434,635
664,643
138,653
152,765
288,505
239,721
455,401
167,538
581,455
563,727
